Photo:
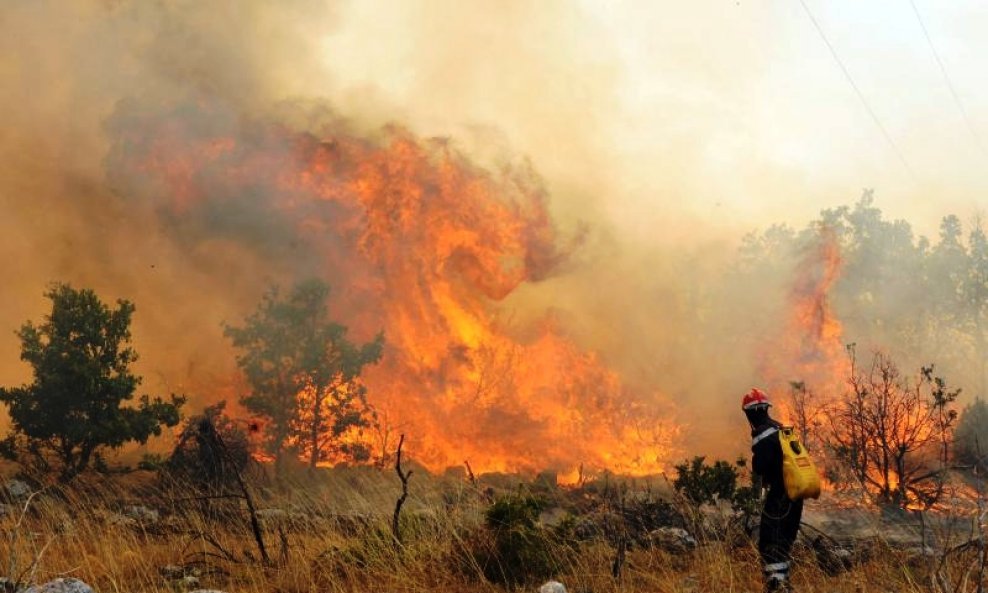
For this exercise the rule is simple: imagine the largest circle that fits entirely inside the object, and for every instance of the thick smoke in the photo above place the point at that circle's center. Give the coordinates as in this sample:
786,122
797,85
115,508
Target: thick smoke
102,98
68,69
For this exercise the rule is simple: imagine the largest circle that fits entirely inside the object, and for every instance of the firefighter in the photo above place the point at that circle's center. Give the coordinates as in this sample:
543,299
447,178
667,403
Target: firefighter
780,515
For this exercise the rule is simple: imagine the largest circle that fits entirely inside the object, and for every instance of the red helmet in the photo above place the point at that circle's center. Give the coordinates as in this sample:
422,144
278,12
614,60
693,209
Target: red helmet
755,397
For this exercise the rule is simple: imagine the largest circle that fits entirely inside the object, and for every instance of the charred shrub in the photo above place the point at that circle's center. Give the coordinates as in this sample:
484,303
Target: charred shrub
512,547
211,450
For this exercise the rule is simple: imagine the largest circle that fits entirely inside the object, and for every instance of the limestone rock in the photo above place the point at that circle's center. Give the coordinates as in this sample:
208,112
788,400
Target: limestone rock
61,585
672,539
17,489
142,514
189,581
552,587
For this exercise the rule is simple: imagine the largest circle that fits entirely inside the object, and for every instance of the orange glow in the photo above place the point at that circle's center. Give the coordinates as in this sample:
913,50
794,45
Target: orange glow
416,240
811,349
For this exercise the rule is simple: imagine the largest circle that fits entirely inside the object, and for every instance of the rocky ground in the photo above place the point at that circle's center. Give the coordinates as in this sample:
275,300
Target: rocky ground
128,532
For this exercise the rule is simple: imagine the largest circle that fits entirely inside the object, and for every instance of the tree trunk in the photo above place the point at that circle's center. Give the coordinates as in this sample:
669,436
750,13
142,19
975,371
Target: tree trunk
314,428
76,464
279,456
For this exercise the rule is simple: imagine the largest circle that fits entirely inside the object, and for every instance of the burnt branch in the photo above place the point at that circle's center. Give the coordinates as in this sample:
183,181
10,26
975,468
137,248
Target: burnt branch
403,476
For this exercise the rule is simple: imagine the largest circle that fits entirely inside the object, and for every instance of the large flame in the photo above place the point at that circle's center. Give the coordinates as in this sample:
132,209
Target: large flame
421,243
811,348
819,355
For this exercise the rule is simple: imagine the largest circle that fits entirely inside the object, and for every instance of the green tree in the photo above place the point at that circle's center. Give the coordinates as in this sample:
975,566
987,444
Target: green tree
80,356
971,438
974,291
304,373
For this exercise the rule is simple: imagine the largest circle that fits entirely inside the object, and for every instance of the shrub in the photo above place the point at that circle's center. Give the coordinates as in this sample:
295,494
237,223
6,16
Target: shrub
702,484
211,450
514,549
971,438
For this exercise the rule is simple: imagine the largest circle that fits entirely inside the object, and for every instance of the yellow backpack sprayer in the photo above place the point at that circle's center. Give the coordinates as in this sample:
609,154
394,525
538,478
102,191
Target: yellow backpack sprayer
799,473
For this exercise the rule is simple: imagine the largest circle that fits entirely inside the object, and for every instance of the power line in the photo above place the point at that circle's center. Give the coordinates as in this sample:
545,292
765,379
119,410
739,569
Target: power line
857,91
946,78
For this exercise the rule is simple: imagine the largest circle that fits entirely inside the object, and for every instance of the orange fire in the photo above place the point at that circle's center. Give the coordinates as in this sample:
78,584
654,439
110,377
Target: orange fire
418,241
811,349
820,357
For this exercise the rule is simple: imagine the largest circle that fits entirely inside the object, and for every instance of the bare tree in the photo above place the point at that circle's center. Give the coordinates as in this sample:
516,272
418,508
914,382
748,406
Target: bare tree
894,433
806,411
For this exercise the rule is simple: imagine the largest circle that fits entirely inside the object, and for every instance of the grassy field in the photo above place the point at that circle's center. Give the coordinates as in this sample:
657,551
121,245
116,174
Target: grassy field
135,532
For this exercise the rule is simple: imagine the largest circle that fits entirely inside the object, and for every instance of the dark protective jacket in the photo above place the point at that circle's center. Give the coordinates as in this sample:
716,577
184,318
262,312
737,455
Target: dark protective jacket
766,459
780,517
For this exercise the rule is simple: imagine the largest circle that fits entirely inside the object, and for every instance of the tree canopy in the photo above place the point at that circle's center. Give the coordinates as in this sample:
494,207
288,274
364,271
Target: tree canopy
921,299
304,374
80,357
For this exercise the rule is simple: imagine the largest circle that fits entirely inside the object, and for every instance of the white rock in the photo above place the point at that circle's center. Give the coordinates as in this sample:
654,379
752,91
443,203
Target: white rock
672,539
142,513
17,489
61,585
189,581
172,571
552,587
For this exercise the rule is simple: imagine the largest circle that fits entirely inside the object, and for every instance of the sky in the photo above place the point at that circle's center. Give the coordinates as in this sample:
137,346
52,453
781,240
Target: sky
730,113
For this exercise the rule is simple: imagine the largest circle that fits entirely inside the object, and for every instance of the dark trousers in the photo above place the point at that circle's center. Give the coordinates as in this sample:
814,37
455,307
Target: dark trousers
777,533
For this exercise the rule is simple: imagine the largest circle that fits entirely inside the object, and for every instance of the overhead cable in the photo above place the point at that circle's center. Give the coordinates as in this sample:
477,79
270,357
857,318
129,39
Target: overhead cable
946,78
857,91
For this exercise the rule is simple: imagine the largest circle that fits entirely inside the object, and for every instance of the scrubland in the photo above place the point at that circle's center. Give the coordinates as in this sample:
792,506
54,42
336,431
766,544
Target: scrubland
138,531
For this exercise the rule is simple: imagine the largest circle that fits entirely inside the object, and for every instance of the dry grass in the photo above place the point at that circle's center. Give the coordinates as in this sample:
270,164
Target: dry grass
333,535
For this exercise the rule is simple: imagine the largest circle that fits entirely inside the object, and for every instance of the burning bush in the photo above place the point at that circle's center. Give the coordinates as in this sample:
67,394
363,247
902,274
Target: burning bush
893,434
426,244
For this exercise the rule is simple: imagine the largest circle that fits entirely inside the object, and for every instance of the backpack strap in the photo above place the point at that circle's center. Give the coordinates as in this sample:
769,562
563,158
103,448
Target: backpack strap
763,435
